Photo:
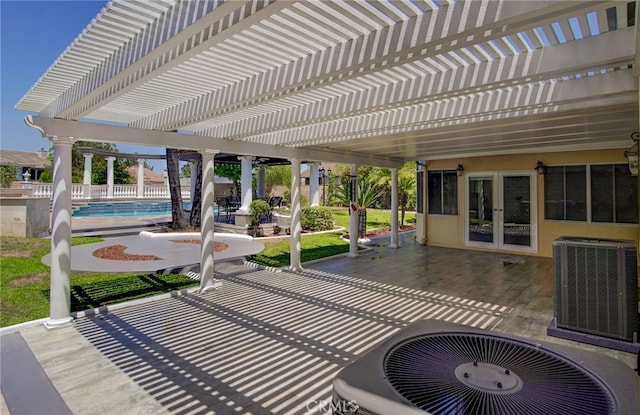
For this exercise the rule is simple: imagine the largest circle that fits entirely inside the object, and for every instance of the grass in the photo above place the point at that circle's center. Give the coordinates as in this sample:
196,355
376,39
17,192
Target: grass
376,218
24,282
24,279
314,246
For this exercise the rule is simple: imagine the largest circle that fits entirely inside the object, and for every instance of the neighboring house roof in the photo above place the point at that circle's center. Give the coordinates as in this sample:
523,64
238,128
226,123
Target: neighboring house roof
150,176
24,159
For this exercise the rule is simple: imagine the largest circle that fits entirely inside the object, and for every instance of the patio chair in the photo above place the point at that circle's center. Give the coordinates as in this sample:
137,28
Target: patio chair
274,202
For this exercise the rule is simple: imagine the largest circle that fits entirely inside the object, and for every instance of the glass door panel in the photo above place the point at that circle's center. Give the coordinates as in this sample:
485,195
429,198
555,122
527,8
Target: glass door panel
500,211
516,210
480,211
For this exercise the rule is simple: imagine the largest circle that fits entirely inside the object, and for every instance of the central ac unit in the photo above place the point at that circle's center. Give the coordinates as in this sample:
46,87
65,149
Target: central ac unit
596,287
445,368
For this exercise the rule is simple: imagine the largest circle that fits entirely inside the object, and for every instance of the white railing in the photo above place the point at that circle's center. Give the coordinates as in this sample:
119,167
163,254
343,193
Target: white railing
100,191
42,190
156,191
125,190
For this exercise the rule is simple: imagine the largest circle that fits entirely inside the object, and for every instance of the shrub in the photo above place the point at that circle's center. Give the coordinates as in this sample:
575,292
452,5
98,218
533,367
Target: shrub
317,218
7,174
258,209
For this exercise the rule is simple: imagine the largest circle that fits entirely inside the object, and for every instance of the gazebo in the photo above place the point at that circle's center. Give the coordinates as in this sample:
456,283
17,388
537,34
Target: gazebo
483,85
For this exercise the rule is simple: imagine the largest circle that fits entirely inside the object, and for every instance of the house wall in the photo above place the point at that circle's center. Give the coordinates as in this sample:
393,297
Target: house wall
24,216
448,231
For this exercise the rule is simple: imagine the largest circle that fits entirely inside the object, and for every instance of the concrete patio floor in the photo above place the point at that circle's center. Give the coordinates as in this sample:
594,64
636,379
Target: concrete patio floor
270,343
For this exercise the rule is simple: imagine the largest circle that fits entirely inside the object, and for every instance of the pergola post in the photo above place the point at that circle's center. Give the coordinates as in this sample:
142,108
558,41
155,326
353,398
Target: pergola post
394,208
353,212
207,280
296,214
261,189
140,178
110,161
314,185
86,179
60,274
245,183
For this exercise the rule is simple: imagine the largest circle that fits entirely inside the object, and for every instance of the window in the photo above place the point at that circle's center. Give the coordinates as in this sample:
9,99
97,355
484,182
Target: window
565,193
443,192
614,194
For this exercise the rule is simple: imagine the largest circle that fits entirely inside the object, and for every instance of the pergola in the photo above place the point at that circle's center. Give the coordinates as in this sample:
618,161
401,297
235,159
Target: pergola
374,83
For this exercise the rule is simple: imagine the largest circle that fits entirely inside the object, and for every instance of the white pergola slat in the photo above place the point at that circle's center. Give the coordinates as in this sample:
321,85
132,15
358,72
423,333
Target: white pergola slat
366,78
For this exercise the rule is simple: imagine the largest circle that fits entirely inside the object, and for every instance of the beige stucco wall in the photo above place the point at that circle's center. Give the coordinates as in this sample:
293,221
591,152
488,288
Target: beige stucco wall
26,217
448,231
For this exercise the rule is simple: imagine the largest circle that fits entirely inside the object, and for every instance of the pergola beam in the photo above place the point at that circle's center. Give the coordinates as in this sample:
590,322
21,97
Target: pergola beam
104,133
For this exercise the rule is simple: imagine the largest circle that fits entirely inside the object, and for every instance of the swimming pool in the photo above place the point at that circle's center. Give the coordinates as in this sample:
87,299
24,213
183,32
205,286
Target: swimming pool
143,208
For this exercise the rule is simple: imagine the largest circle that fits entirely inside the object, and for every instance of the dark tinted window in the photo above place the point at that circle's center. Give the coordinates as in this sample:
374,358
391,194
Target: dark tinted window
443,192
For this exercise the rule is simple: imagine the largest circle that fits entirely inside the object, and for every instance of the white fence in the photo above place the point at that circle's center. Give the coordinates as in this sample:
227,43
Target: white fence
120,191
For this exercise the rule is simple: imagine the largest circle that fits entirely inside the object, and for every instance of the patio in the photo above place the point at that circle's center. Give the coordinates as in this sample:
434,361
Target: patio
271,342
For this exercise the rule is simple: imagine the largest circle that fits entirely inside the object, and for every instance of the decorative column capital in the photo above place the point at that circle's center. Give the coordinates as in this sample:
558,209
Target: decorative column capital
250,158
141,161
55,140
207,152
88,155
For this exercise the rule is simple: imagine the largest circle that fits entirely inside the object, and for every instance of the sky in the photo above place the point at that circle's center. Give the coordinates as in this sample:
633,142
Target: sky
32,36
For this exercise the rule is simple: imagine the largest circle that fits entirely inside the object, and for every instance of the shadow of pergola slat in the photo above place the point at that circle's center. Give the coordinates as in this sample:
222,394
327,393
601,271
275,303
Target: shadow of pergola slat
264,342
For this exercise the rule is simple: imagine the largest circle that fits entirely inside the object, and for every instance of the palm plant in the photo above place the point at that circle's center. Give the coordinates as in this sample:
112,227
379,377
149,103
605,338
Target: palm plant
368,194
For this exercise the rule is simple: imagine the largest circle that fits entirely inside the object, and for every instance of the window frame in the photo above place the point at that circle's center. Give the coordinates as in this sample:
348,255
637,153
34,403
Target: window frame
443,211
588,194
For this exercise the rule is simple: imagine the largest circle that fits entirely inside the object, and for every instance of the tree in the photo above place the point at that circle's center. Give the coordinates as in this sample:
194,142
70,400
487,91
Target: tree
7,174
231,171
185,170
279,176
196,199
178,218
406,189
98,165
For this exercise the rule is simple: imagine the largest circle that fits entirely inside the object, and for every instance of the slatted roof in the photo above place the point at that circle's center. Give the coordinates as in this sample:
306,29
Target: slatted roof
405,80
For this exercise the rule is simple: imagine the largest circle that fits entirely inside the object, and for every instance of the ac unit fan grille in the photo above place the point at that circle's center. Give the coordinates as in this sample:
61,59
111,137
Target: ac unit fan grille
461,373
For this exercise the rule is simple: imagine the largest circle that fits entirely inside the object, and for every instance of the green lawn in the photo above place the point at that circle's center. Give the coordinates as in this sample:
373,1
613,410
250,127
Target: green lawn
314,246
24,282
376,218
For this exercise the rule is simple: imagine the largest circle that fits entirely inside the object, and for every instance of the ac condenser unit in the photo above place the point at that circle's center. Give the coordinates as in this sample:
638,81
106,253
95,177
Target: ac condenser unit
436,367
596,286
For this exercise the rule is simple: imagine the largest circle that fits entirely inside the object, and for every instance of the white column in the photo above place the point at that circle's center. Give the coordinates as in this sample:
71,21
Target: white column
261,190
245,184
296,215
86,180
394,209
207,280
110,161
140,178
314,194
192,182
353,214
60,274
166,185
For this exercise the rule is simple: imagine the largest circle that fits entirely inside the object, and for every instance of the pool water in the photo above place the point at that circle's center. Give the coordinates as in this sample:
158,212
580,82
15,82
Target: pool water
126,209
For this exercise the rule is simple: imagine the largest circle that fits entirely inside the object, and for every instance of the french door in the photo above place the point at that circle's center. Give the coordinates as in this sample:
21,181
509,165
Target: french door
500,211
